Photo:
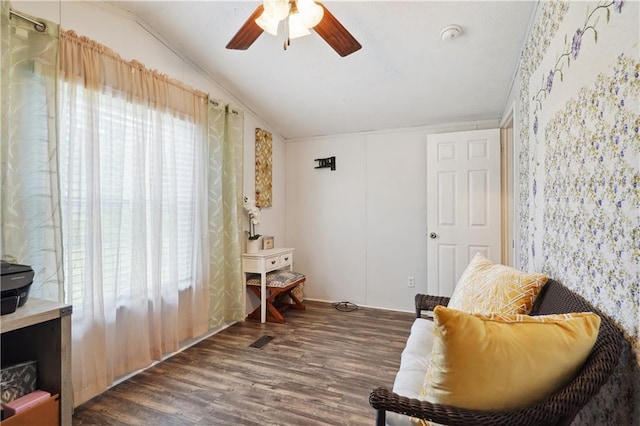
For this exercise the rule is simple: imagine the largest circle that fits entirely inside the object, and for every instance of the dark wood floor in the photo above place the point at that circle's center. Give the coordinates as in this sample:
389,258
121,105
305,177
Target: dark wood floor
318,370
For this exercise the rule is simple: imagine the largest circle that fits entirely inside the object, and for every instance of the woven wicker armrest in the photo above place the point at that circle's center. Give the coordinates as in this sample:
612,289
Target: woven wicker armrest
383,399
426,302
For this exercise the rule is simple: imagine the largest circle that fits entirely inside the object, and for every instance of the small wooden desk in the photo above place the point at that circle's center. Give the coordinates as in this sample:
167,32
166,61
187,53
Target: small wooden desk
262,262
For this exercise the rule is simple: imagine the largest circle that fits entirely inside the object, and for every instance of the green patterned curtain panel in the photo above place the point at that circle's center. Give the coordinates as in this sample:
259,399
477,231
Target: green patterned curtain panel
226,289
29,205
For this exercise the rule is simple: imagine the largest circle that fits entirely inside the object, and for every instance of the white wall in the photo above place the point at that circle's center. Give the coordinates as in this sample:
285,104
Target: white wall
326,217
359,232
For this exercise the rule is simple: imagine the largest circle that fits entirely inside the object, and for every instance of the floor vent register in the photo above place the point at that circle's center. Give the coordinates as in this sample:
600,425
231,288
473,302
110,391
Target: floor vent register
261,342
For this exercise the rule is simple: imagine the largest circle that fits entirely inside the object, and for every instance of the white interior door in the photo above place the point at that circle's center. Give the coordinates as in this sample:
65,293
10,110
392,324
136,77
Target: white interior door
463,196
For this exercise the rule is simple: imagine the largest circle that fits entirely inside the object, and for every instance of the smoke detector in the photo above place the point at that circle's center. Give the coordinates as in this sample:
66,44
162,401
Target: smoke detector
450,32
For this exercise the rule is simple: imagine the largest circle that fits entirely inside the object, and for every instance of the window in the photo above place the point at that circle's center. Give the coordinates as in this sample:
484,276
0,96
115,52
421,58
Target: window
128,179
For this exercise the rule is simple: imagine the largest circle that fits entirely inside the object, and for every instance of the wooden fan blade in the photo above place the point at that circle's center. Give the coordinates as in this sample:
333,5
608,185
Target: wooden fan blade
248,33
337,36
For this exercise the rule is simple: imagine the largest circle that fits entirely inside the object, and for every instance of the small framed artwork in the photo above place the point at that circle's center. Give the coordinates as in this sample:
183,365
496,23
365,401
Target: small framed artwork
264,166
267,242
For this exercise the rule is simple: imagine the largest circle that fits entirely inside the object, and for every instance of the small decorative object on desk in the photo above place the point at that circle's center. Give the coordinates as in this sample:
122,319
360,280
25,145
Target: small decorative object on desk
253,239
267,242
253,246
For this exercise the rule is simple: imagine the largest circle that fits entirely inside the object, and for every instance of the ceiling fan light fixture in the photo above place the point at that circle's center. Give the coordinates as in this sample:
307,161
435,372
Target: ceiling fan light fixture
268,23
297,28
277,9
299,17
311,12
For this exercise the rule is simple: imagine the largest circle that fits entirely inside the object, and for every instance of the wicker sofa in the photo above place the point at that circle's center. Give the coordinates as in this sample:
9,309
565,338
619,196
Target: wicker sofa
558,409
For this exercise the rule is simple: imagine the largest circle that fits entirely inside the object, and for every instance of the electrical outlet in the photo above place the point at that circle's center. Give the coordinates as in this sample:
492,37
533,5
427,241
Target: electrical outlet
411,282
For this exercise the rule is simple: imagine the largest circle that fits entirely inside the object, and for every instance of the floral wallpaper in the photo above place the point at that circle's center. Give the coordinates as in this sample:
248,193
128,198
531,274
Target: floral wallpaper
539,39
579,169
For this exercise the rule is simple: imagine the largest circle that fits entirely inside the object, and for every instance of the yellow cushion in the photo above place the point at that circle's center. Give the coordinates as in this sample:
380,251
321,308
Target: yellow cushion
503,362
486,287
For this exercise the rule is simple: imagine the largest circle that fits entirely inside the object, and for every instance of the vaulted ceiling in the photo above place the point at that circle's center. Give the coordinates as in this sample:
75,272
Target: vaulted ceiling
405,75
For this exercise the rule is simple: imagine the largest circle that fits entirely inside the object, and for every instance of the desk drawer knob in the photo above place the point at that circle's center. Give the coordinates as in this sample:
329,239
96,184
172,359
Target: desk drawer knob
273,262
286,258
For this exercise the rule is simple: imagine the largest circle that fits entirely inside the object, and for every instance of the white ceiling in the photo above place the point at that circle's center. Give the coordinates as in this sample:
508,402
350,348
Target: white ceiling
403,76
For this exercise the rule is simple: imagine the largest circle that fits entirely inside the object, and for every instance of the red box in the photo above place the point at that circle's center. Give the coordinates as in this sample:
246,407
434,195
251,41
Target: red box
25,402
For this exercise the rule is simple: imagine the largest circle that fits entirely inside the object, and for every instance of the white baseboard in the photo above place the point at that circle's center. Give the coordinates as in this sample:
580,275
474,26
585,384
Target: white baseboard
362,306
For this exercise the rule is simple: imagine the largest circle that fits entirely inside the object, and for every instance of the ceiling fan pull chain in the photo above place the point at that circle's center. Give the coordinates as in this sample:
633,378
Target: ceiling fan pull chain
287,41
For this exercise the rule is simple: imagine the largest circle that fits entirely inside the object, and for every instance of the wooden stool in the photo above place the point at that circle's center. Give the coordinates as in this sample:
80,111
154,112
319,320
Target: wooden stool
278,282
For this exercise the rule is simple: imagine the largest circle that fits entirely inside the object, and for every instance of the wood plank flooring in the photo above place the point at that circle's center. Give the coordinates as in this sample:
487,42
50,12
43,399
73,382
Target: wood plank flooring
318,370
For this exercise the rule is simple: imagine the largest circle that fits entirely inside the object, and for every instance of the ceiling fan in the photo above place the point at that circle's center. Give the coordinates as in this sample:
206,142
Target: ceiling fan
299,17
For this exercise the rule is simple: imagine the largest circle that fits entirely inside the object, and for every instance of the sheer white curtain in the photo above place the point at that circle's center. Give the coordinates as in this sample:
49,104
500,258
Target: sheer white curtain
133,170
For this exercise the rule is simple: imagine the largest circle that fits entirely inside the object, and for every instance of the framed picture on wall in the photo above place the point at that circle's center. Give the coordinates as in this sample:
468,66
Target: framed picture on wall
267,242
263,168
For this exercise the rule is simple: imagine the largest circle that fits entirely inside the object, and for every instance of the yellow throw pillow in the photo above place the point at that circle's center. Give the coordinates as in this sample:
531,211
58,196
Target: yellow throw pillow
486,287
504,362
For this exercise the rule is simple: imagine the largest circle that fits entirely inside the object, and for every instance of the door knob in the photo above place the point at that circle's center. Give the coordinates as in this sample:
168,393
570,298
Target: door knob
433,235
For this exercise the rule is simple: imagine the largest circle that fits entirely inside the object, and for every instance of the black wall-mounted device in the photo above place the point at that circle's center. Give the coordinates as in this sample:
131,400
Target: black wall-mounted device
326,163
